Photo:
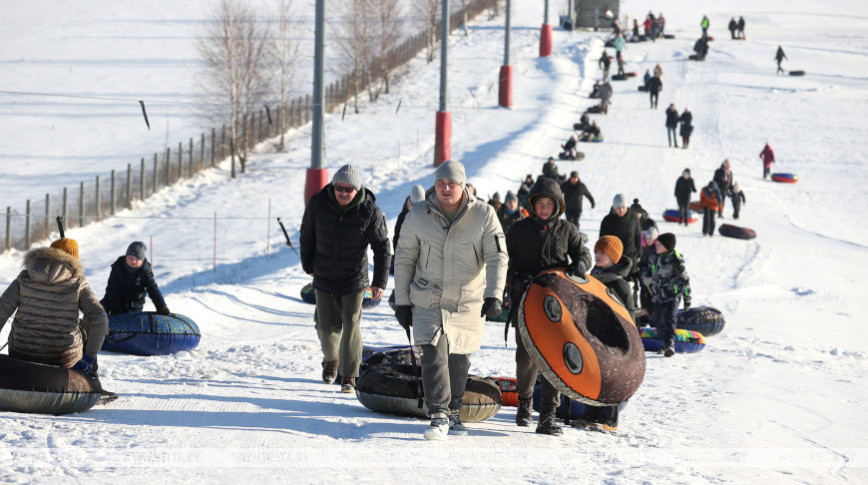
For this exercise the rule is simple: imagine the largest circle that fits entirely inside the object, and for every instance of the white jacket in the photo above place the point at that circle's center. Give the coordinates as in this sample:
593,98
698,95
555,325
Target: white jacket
439,270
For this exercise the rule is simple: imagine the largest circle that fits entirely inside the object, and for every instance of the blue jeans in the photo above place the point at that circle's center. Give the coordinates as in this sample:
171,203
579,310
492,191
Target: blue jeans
671,136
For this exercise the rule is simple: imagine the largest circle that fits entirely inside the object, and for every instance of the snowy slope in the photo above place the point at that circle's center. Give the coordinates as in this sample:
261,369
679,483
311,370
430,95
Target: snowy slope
777,397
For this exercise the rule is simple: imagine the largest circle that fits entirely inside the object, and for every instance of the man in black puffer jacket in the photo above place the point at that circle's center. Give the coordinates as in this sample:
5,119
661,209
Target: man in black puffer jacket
623,224
540,242
338,224
130,278
574,192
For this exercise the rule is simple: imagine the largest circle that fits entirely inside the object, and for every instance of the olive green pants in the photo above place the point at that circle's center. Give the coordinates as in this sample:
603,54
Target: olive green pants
338,326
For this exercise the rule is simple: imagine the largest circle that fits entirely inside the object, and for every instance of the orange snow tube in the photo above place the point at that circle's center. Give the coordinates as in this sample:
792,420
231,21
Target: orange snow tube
582,338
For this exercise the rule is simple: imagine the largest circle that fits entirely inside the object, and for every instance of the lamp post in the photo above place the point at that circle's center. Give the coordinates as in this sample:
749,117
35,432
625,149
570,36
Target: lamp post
545,38
317,176
504,95
442,143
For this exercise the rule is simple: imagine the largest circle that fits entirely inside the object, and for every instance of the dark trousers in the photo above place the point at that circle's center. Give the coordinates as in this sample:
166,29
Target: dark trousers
708,221
654,96
444,377
736,207
672,136
766,171
722,204
732,33
573,217
602,414
526,375
683,211
338,327
665,319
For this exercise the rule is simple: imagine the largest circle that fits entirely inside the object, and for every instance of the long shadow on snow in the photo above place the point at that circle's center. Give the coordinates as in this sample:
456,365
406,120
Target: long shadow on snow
231,273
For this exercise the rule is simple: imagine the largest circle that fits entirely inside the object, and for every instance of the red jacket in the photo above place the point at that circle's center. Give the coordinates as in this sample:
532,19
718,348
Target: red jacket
767,155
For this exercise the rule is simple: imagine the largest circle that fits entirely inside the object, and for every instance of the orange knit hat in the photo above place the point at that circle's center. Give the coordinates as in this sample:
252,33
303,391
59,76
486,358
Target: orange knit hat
69,246
611,246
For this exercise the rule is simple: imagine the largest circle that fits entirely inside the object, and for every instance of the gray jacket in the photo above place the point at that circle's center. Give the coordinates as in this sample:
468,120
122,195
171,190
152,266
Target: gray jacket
48,295
439,270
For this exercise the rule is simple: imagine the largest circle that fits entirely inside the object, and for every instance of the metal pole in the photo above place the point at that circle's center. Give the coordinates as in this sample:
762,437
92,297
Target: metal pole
27,227
546,18
268,230
444,34
506,36
113,194
318,87
8,226
47,215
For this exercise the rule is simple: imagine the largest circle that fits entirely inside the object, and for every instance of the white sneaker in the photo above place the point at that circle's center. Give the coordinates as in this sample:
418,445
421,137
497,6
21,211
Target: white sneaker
439,427
455,425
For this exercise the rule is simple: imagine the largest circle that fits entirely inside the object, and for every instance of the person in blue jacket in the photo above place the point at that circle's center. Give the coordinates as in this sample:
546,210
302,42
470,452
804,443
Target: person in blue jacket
130,278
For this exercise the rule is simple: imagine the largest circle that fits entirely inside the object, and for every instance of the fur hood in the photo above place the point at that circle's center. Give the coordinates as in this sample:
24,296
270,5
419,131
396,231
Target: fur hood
52,265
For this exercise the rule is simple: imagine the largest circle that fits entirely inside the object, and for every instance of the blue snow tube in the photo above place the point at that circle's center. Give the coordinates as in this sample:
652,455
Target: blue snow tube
28,387
149,333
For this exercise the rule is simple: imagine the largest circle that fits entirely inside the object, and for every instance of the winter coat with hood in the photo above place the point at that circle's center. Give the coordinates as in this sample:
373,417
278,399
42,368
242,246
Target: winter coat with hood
768,156
551,170
48,294
667,277
615,277
506,219
334,242
446,269
686,120
535,244
723,179
627,229
684,187
574,194
655,85
126,288
400,222
709,197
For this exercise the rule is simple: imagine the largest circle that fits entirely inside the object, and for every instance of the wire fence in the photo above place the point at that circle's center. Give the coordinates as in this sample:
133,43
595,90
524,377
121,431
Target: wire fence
103,196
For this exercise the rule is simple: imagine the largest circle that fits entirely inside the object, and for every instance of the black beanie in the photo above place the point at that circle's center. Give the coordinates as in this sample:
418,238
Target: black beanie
137,249
667,239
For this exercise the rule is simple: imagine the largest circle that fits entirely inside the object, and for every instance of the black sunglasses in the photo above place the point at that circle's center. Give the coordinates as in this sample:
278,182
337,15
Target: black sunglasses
344,189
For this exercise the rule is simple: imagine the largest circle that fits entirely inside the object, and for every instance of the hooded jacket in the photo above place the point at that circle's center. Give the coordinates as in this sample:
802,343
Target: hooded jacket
709,197
445,270
48,295
667,277
125,292
614,277
573,195
684,187
334,242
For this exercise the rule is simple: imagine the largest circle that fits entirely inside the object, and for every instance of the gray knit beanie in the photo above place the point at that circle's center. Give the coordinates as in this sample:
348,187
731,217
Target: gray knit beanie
417,193
137,249
347,175
510,196
451,170
619,201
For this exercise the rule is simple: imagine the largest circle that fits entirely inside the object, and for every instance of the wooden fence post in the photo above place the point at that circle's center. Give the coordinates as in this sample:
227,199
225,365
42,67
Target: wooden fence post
213,142
81,205
156,172
129,191
64,211
47,215
98,201
142,179
168,165
27,227
113,194
8,227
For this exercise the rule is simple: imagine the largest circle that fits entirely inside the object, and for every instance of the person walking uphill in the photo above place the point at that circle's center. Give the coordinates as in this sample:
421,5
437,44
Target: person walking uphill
704,23
779,57
671,125
450,270
723,179
709,200
48,295
654,87
623,224
540,242
130,278
768,157
667,278
684,187
339,223
686,120
733,26
574,191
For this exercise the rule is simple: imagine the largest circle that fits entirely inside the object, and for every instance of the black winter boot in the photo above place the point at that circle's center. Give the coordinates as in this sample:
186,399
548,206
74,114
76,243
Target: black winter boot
522,415
547,424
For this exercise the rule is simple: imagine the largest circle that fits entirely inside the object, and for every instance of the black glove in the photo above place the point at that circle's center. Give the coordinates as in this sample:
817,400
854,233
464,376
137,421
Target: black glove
163,310
404,314
687,303
491,308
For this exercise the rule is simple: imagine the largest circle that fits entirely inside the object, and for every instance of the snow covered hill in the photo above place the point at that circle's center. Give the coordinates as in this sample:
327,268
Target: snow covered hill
776,398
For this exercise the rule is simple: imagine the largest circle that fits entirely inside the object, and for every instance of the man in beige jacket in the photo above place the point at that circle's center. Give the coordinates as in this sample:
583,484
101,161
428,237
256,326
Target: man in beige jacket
450,269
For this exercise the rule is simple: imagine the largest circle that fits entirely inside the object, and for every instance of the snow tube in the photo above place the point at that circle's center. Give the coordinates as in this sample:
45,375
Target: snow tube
149,333
619,77
671,215
394,355
704,319
787,178
28,387
797,73
508,389
736,232
668,36
642,88
630,74
595,109
686,341
581,338
308,294
579,156
385,389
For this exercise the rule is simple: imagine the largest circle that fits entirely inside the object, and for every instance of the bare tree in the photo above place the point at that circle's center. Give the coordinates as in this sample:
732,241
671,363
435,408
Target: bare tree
352,34
429,11
388,34
234,51
286,52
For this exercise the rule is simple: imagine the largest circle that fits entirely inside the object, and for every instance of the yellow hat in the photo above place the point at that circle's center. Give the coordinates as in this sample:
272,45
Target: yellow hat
611,246
69,246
